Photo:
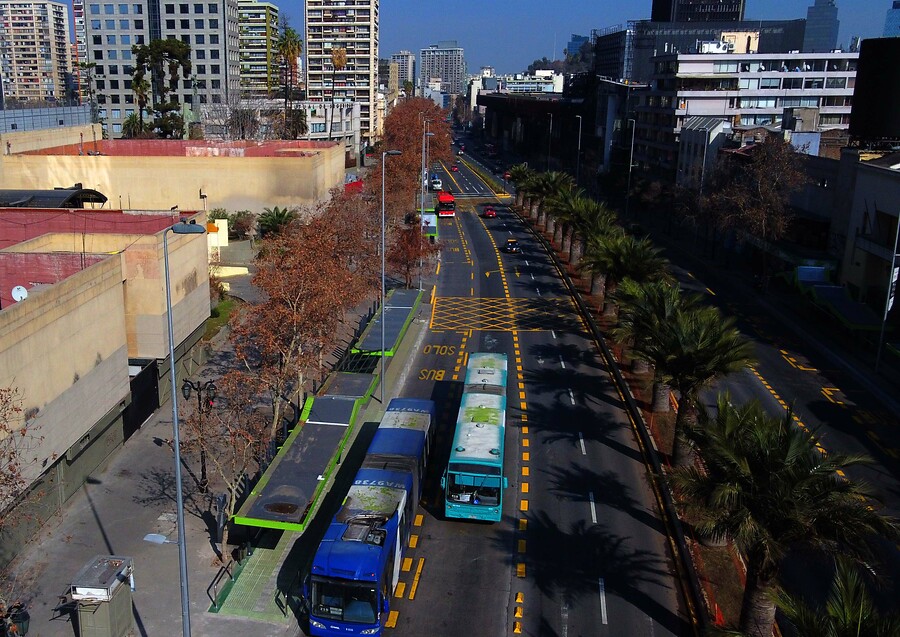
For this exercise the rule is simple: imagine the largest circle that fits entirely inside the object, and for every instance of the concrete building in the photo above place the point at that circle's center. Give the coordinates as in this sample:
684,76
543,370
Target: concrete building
35,56
575,43
892,21
749,90
821,27
445,60
406,67
543,81
260,66
697,10
700,141
626,51
211,29
353,26
138,174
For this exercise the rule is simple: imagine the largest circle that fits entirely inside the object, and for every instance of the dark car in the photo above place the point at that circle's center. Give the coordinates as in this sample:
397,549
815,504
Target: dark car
512,247
489,213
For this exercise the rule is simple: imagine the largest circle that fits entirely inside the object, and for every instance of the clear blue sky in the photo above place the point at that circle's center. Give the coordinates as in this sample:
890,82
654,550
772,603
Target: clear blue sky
510,34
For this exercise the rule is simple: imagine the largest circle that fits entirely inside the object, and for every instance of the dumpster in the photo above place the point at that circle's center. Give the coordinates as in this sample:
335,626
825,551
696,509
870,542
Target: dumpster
102,590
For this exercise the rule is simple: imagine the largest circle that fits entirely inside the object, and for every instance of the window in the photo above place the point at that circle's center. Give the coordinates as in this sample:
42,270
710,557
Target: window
94,9
108,9
170,25
185,24
138,24
127,85
201,69
186,39
813,83
114,85
113,69
183,8
198,8
200,39
215,69
214,38
201,54
126,54
198,24
95,24
110,24
792,83
123,24
213,24
129,98
836,82
748,84
110,40
113,54
217,83
117,127
98,40
213,8
116,113
769,82
137,8
214,54
317,128
123,9
125,39
129,112
101,85
170,9
98,55
725,67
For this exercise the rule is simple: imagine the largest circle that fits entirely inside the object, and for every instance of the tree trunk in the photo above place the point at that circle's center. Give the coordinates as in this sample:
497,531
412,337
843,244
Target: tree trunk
639,366
682,450
567,242
598,283
609,309
533,213
557,234
551,228
576,249
520,198
757,607
660,404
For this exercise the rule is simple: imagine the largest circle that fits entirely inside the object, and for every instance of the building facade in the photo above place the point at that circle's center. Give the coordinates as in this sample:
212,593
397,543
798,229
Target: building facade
406,67
748,90
210,28
697,10
259,72
353,26
445,60
822,26
892,21
35,56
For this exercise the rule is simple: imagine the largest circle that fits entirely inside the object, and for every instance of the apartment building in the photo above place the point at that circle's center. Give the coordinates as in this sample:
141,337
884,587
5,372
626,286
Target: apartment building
406,67
746,89
445,60
353,26
258,22
35,55
697,10
210,28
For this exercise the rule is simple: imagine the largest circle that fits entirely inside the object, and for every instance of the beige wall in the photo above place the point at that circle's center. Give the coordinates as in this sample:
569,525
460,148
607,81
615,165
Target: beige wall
65,350
148,183
22,141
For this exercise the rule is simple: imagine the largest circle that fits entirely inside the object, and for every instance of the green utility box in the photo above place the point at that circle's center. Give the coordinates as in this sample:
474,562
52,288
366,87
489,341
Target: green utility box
102,590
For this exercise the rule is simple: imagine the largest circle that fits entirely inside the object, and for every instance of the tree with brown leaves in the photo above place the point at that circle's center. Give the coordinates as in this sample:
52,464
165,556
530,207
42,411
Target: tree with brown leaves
410,252
18,443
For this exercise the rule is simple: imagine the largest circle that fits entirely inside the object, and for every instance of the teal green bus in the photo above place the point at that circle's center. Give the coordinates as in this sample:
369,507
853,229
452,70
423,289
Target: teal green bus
428,217
473,481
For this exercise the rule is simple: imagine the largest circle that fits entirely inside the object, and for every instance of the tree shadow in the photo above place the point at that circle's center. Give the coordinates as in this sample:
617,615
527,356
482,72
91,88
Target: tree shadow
585,386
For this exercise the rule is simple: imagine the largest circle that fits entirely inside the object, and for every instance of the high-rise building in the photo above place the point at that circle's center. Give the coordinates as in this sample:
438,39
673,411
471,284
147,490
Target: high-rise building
445,60
406,67
35,56
821,27
697,10
258,23
574,45
209,27
332,24
892,21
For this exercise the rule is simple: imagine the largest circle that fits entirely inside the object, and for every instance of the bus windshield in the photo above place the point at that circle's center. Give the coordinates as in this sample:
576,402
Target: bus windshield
344,601
474,489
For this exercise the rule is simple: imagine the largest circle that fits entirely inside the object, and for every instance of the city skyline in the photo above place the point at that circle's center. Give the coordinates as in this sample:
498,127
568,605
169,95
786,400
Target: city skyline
510,35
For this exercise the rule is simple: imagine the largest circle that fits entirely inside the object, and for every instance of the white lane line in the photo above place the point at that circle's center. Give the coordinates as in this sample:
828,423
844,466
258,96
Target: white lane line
593,513
552,332
603,617
526,263
564,612
562,362
538,291
581,442
509,231
571,396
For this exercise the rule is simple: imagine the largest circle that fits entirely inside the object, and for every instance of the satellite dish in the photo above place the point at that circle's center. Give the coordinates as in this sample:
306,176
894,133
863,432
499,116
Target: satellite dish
19,293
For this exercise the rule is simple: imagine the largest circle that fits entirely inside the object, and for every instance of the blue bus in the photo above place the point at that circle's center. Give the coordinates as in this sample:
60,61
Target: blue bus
357,564
473,481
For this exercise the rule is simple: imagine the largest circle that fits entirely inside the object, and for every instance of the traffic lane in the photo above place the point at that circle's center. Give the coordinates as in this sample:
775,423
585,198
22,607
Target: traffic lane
457,262
488,271
465,182
593,523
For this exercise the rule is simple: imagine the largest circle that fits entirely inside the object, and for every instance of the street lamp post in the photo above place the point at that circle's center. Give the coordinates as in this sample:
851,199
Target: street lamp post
178,228
578,155
425,135
205,390
384,156
549,141
630,164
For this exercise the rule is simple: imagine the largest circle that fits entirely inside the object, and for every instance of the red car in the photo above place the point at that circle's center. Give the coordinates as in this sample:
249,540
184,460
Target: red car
489,213
454,168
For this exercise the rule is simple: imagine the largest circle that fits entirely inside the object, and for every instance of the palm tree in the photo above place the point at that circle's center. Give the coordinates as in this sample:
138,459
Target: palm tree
766,486
591,218
550,185
645,310
289,48
133,126
697,346
338,62
141,88
616,256
519,174
598,257
561,207
849,611
274,220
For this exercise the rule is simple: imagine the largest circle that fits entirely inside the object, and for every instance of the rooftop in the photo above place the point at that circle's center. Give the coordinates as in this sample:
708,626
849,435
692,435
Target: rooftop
187,148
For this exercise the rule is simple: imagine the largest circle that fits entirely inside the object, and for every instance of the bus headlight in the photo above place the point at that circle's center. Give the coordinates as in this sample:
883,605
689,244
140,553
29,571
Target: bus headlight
315,624
368,631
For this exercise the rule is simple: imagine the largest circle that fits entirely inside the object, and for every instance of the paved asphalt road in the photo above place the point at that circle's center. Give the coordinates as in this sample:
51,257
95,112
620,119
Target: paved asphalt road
581,549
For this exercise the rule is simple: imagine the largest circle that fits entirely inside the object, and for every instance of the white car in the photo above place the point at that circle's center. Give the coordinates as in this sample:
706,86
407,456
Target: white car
437,184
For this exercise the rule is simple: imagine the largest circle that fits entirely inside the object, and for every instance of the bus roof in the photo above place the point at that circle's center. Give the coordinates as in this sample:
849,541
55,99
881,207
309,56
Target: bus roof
398,442
376,492
487,369
420,405
479,428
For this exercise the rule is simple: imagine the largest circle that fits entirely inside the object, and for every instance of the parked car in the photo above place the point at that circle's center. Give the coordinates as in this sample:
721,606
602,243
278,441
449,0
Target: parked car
512,247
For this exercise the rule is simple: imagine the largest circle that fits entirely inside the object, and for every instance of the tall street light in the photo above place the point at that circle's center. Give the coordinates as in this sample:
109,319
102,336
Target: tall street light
425,135
630,164
578,156
549,141
206,394
384,156
178,228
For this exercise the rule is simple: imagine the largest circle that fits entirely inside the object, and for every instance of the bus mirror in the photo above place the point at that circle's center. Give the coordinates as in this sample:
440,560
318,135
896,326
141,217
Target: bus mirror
505,482
443,486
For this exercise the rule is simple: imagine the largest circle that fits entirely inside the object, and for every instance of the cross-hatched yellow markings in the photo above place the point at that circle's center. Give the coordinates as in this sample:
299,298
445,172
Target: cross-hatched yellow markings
413,541
523,524
503,314
520,546
392,619
401,589
415,584
523,505
520,569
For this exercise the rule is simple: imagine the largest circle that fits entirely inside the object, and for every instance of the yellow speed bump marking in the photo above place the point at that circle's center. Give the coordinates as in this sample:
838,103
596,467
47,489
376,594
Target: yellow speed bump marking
392,619
523,524
524,428
526,456
525,442
519,612
415,584
524,487
525,471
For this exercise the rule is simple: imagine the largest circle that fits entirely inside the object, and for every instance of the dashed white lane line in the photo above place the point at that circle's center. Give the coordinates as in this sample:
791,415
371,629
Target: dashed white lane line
571,396
581,442
593,509
552,332
562,362
603,617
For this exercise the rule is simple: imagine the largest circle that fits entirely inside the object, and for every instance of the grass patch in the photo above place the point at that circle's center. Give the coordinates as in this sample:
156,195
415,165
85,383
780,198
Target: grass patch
219,316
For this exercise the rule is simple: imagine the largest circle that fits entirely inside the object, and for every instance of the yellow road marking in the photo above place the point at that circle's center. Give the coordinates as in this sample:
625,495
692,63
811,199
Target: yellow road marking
413,541
525,442
438,270
401,588
407,564
526,471
523,524
524,487
520,546
392,619
520,569
419,519
415,584
519,611
526,456
520,598
524,427
523,505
